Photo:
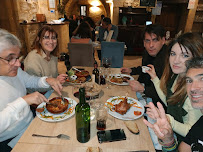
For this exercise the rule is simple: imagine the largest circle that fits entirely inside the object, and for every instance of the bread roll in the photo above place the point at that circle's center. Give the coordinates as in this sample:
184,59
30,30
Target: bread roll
94,149
132,126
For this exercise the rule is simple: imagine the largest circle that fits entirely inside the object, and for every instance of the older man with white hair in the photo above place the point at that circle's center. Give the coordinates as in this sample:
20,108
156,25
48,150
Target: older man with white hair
15,113
194,139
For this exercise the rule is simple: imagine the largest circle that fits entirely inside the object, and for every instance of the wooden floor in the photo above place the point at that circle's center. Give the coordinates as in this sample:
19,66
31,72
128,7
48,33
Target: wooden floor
129,61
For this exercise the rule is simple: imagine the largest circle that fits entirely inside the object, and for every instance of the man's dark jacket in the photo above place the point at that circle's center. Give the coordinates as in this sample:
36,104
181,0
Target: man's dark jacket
159,63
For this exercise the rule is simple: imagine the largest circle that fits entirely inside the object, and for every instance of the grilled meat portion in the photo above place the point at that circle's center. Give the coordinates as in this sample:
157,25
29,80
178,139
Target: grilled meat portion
122,107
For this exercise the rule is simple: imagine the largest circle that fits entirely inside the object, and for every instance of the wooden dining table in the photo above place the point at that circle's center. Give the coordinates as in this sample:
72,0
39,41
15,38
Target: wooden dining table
133,142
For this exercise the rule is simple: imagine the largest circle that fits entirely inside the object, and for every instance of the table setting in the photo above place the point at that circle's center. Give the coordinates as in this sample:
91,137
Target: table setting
110,118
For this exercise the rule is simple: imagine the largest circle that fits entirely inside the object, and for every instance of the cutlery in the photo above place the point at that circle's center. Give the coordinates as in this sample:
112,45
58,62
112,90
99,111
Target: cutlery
60,136
62,100
139,151
76,69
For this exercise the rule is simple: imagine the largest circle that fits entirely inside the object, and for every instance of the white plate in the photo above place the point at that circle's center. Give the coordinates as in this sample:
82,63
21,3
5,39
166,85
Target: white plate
88,79
135,106
122,75
50,117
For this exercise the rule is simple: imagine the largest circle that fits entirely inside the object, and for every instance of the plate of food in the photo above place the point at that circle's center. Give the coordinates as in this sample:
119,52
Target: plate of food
79,77
125,108
120,79
92,90
55,110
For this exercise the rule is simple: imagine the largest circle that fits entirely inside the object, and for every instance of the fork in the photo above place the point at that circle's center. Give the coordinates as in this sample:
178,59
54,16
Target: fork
62,100
60,136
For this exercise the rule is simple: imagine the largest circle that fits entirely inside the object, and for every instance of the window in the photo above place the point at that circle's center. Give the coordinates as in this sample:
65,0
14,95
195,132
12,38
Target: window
51,4
83,9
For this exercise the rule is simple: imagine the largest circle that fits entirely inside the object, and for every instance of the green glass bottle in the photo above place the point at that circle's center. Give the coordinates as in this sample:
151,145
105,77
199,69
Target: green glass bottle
82,116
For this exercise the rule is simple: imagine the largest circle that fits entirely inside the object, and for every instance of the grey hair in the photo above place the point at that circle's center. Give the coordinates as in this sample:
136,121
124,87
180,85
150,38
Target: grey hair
8,40
196,63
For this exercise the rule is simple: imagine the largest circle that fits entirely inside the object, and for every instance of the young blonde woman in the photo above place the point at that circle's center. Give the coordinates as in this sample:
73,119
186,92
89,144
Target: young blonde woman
172,87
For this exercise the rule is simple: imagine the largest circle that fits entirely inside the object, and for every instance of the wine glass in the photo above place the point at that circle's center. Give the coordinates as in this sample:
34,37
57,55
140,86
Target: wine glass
106,62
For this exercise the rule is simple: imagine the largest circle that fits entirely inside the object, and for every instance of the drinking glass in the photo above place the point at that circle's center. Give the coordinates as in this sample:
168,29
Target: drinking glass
95,104
101,117
106,62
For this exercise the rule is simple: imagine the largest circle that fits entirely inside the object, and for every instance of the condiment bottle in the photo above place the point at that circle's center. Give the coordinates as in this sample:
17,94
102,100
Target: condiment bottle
96,72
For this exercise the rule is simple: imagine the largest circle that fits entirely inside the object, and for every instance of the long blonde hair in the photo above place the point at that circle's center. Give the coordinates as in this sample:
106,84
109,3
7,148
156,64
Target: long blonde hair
192,42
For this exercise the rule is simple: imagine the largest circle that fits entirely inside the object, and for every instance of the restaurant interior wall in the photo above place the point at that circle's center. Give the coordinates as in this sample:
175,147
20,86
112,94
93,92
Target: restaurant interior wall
198,20
173,17
72,7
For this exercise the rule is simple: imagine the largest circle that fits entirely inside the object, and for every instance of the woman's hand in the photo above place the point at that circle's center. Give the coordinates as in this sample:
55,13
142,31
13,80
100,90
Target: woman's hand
55,84
151,71
161,127
62,78
35,98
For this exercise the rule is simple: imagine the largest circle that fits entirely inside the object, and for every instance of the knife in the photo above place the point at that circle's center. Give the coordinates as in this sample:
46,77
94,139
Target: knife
139,151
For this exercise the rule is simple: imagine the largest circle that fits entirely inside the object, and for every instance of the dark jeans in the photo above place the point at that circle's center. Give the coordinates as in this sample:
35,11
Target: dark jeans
4,146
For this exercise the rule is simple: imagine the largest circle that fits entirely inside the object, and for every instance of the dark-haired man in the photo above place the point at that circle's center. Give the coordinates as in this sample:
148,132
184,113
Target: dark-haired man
194,139
108,31
155,51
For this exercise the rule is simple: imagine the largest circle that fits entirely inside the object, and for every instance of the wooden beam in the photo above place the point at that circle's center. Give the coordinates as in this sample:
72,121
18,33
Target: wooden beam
191,17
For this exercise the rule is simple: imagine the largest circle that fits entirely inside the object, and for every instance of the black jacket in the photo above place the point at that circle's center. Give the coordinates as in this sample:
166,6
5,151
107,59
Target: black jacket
159,64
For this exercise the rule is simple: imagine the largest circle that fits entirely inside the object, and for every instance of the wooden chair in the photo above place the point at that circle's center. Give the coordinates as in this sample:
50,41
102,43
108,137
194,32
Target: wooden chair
81,54
115,50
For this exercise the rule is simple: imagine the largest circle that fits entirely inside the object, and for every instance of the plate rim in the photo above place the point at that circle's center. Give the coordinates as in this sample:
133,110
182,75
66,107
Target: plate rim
121,118
57,120
124,83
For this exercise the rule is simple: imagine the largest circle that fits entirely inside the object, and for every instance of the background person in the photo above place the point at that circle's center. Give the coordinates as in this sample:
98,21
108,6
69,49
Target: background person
100,21
154,53
72,25
194,139
171,88
92,26
108,31
43,60
15,113
82,34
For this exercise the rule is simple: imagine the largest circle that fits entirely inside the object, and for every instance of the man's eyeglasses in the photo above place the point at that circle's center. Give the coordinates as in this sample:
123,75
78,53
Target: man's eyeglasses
48,38
10,61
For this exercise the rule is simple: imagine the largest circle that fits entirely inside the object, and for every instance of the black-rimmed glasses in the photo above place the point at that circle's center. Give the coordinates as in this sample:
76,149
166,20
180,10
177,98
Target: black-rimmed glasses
10,61
50,38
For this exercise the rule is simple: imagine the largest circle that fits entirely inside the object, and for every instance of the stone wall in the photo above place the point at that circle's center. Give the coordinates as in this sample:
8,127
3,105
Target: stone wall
27,10
73,7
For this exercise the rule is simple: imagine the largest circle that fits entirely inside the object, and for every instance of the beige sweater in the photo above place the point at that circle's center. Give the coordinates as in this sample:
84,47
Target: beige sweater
192,114
36,64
